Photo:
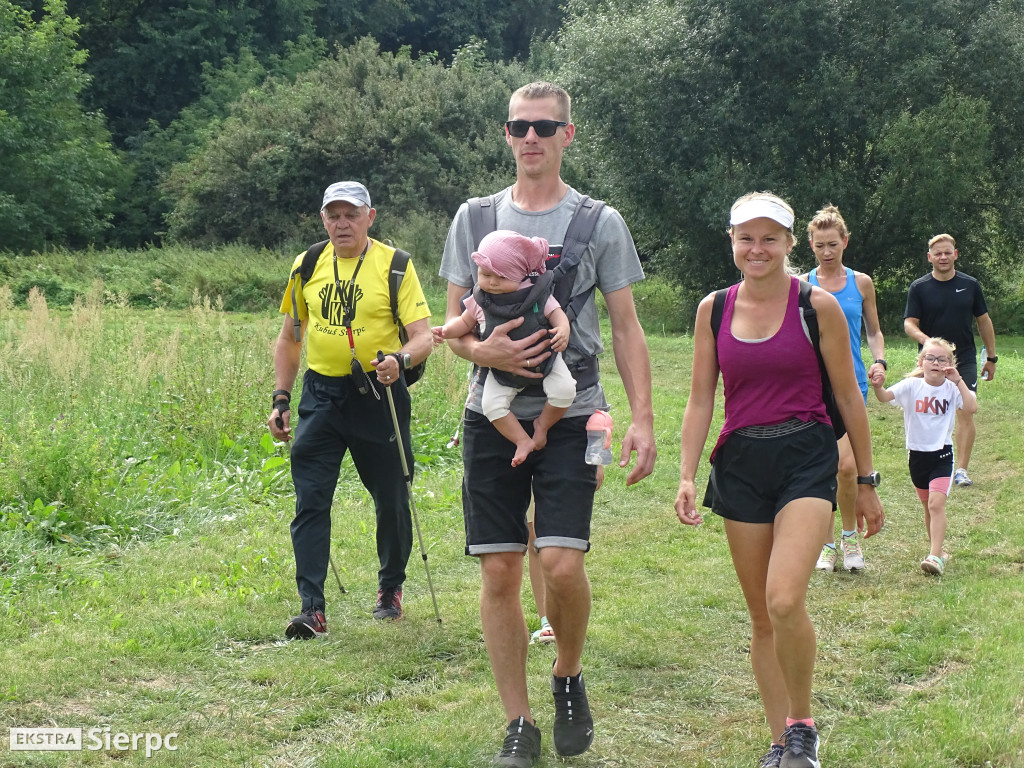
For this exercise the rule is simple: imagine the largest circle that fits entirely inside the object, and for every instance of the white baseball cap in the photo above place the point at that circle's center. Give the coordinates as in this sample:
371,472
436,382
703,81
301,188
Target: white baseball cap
761,208
346,191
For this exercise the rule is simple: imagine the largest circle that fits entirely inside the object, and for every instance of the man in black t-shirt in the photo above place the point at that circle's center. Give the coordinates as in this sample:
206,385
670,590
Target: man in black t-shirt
944,304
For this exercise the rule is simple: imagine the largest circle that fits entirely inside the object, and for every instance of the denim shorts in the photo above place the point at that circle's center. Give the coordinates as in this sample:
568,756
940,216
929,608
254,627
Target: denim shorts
754,477
496,495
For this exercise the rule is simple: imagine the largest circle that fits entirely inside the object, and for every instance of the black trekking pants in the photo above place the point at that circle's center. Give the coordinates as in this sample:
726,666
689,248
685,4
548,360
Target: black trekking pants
335,418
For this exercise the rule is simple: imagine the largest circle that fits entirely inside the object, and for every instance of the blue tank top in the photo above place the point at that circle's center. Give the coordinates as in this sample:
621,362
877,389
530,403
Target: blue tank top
852,303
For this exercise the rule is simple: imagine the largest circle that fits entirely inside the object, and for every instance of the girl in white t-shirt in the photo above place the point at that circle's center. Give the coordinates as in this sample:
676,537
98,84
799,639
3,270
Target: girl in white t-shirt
930,396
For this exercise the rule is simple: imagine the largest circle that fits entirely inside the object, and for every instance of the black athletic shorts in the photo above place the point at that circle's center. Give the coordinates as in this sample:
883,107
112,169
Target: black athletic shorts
968,370
926,466
496,495
753,478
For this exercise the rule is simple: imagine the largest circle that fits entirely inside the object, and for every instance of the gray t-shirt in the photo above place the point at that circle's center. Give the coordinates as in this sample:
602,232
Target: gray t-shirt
610,261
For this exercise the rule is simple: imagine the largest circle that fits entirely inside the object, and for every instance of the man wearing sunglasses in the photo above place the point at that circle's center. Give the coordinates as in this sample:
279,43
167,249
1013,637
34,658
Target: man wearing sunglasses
945,303
495,494
345,312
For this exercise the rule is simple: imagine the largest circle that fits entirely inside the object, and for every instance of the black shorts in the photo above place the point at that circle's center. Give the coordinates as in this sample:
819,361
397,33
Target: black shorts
926,466
968,370
496,495
753,478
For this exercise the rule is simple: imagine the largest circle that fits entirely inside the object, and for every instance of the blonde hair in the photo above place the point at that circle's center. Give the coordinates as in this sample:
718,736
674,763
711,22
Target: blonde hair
828,218
790,269
935,341
543,90
939,238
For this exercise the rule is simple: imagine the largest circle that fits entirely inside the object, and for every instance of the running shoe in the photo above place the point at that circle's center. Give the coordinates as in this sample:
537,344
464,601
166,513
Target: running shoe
307,625
389,604
960,477
801,749
521,747
827,558
574,725
773,757
853,558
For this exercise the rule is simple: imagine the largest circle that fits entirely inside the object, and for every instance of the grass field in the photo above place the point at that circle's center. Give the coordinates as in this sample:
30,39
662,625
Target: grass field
146,576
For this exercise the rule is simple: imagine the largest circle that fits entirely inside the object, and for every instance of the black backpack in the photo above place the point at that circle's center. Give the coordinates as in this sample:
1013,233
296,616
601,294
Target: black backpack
395,277
810,315
483,219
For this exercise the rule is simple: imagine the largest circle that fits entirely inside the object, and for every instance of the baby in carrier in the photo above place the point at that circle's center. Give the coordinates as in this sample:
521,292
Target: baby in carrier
505,261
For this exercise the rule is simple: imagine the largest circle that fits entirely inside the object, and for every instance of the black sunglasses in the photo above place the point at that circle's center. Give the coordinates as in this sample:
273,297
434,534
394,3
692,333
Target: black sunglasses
543,128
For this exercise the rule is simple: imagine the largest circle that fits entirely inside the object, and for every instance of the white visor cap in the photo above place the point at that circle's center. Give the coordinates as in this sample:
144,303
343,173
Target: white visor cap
761,208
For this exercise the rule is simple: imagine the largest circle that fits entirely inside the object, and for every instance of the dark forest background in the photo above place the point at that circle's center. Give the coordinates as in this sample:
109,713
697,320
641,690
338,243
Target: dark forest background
141,124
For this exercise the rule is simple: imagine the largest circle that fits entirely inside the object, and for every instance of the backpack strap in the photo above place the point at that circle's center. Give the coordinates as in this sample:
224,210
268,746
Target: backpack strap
304,272
574,245
399,263
483,218
810,316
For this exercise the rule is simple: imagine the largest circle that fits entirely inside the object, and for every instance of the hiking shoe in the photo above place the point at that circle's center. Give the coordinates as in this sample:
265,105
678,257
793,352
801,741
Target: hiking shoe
773,757
853,558
801,749
933,565
307,625
389,604
960,477
521,747
827,559
574,725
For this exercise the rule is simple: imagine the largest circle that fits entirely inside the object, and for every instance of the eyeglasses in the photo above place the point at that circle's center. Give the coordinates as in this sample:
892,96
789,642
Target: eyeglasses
543,128
934,359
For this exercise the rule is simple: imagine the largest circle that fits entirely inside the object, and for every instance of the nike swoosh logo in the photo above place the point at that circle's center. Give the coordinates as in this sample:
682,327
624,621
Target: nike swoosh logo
960,290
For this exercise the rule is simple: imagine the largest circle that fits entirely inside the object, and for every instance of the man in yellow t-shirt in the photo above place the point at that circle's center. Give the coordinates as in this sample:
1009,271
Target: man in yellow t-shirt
345,315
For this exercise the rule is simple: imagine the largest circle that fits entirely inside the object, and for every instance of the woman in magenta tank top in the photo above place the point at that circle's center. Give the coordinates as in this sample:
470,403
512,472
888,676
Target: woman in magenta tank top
773,476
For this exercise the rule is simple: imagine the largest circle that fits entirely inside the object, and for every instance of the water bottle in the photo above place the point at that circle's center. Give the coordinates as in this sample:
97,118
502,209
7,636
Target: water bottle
981,364
599,438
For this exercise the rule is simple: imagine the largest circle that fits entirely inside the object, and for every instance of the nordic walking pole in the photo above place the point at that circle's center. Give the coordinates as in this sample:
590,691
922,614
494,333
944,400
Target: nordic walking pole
336,577
408,485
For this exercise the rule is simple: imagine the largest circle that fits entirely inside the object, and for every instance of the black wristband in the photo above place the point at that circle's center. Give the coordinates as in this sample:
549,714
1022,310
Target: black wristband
881,362
281,393
993,359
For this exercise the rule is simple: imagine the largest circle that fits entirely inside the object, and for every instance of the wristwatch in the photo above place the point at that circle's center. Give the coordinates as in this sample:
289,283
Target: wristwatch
881,362
993,359
873,479
404,360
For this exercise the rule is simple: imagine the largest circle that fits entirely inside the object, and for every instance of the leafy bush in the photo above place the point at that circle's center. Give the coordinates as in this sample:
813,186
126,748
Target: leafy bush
420,135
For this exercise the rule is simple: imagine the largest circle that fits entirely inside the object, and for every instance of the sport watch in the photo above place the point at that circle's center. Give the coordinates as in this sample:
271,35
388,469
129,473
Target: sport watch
993,359
404,360
873,479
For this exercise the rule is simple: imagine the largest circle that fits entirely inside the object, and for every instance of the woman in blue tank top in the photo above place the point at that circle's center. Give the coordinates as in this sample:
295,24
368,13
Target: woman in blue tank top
855,292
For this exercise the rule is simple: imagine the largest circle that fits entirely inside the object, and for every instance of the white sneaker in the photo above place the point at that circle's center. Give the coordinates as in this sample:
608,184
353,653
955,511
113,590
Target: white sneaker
853,558
960,477
827,559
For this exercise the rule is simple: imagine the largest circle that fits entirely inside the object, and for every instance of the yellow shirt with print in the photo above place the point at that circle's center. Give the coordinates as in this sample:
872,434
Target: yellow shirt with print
373,328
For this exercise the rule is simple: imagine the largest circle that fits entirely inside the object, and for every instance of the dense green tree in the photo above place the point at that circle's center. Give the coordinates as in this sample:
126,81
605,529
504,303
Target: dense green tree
419,134
58,165
876,107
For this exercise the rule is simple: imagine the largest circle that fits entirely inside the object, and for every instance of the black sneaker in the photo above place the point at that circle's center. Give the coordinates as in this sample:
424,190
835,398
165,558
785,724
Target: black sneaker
307,625
521,747
574,726
773,757
801,750
389,604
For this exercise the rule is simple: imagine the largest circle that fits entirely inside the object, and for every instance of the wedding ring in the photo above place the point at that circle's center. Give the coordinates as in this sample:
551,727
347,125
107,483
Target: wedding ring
528,363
